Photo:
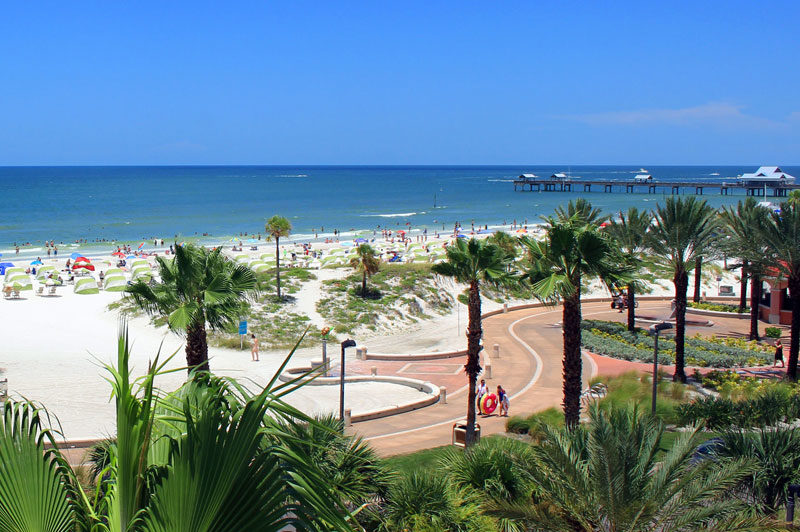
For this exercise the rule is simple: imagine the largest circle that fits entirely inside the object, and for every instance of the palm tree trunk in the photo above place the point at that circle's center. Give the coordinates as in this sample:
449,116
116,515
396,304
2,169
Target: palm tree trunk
196,348
743,288
631,308
698,278
755,296
681,281
364,284
473,365
794,345
278,265
571,327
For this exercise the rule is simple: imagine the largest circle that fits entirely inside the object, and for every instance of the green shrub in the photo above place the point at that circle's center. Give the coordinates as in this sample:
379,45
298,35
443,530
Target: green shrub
719,307
614,340
773,332
774,402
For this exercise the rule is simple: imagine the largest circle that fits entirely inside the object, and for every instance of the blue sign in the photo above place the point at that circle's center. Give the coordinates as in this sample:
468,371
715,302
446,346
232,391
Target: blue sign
242,327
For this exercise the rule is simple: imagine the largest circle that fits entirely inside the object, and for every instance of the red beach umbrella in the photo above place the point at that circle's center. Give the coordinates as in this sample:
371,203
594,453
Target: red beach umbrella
117,254
83,265
81,259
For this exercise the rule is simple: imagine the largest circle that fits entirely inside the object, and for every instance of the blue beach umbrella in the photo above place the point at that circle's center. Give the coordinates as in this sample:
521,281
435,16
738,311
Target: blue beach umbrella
36,262
361,240
75,255
131,257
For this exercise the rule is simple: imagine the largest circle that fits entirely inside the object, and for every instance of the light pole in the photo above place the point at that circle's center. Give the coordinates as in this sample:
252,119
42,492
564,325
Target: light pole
654,330
325,331
347,343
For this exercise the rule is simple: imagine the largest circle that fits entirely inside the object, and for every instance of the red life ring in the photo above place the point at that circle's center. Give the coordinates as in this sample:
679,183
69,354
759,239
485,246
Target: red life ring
488,403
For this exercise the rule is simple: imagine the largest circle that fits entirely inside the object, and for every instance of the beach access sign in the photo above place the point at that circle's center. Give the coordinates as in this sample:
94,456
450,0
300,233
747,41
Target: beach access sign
242,327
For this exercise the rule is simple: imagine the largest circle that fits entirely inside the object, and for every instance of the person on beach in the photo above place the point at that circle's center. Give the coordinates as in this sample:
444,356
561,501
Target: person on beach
502,399
778,353
254,349
482,390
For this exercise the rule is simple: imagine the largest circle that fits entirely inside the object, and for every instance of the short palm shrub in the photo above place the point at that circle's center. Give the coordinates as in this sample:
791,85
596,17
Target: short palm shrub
718,307
775,402
773,332
776,454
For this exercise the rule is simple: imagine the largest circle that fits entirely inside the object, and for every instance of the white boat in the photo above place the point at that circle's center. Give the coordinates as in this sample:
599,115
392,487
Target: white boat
714,173
641,171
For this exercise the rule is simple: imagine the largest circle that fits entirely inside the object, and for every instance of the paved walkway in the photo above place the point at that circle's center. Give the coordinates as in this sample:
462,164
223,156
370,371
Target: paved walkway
529,368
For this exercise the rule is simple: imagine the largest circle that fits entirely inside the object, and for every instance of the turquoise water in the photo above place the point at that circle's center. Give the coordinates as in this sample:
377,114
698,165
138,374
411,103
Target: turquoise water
138,203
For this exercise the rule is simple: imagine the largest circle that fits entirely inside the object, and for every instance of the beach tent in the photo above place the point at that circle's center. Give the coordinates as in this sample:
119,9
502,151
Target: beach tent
140,271
115,283
112,271
44,271
11,272
21,283
241,258
139,262
4,266
268,256
87,285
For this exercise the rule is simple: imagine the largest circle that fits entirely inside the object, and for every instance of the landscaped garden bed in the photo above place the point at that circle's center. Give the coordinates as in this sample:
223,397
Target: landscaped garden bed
614,340
718,307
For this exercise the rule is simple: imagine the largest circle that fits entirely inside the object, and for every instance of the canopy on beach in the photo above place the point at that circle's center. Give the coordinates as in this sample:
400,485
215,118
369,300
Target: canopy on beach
132,257
44,271
17,277
21,284
87,285
115,283
118,254
4,266
76,255
84,265
36,262
112,271
16,269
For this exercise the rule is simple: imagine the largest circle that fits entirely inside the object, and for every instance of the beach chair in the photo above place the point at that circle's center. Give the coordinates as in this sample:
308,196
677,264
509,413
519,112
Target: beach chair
40,291
51,291
16,294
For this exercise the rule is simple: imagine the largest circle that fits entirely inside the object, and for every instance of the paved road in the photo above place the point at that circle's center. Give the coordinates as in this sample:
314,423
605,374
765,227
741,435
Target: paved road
529,368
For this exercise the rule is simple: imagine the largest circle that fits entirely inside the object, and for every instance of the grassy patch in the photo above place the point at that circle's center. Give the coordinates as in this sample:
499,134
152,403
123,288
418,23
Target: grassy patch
400,293
420,461
532,424
637,388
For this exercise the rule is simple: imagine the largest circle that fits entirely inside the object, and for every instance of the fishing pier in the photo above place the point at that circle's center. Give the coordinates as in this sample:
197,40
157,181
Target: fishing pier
535,184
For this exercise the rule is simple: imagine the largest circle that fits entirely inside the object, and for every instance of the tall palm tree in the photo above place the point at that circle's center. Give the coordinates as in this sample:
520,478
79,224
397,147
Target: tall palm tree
473,262
572,252
683,228
208,457
607,477
367,263
198,288
743,226
782,234
630,232
278,227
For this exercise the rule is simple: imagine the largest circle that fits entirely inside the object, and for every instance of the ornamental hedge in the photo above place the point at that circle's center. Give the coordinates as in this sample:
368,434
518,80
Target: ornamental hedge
614,340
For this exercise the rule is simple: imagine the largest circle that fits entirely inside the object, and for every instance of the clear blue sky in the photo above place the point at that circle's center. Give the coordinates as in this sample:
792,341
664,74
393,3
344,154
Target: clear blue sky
376,82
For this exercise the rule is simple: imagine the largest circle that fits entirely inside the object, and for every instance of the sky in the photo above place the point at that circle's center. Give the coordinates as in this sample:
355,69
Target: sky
429,82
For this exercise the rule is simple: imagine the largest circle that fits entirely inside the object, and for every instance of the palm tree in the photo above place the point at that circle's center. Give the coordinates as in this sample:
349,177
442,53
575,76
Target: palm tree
744,226
367,263
630,232
607,477
580,210
683,228
572,252
473,262
208,457
278,227
198,288
782,235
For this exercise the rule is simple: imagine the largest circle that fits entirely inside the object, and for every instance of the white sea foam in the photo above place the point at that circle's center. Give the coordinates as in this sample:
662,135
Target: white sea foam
395,215
293,175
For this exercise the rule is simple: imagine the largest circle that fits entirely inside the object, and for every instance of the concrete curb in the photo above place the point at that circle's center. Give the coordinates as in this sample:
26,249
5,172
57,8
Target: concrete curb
718,313
429,388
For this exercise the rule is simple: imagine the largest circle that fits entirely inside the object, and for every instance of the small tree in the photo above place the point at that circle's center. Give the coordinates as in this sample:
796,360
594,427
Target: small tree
683,228
278,227
198,288
366,262
472,263
630,232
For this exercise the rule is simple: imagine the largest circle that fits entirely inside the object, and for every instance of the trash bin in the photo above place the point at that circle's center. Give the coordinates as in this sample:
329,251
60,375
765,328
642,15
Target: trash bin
460,433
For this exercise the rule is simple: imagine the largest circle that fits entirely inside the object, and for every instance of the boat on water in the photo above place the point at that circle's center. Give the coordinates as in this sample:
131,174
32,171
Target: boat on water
640,171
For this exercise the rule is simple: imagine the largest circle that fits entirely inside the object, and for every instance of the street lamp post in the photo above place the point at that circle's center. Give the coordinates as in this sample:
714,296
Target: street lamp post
655,330
347,343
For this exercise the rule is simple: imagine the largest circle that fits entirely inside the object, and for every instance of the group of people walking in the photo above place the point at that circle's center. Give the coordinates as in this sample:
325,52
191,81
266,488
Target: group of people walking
488,402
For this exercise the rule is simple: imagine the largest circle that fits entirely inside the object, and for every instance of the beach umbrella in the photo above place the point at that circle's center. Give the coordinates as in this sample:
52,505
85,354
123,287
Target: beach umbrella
83,265
4,266
131,257
141,245
87,285
361,240
75,255
82,259
37,262
118,254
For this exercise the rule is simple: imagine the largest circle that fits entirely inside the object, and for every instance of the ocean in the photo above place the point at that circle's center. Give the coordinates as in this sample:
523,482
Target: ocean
138,203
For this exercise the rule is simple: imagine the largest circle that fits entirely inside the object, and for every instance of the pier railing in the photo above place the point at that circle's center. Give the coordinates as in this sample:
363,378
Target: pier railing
651,187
